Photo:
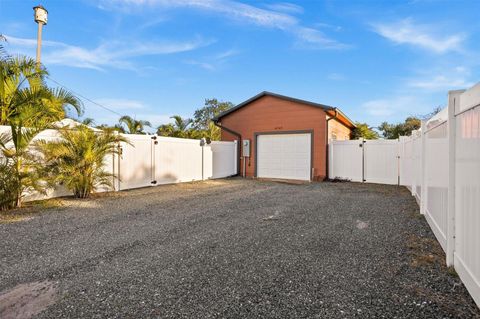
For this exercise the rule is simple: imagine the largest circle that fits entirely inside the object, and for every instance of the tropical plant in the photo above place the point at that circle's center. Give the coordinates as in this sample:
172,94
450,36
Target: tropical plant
179,128
8,185
105,127
132,125
77,159
3,52
202,117
166,130
88,121
362,130
28,106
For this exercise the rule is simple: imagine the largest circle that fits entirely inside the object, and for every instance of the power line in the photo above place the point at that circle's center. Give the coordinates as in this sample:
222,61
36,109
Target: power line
85,98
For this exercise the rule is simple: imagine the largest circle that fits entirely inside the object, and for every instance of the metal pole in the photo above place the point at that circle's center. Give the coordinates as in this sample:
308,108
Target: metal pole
39,42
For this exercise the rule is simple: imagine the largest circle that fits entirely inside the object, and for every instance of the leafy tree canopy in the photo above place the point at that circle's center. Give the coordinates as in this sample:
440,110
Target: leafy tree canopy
393,131
133,126
364,131
203,116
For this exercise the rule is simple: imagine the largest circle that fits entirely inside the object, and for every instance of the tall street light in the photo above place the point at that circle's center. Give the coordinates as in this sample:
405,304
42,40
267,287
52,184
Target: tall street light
40,16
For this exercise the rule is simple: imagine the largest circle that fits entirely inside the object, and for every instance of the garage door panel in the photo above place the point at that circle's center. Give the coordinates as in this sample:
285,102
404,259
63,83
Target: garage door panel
286,156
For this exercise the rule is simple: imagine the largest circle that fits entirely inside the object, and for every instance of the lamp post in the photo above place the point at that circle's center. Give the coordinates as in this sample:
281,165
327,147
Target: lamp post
40,17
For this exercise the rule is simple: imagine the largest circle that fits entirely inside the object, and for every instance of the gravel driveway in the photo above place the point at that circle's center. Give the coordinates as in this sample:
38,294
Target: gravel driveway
231,248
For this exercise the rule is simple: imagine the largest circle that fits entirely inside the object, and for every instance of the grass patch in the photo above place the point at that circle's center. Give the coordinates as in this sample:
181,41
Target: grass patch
452,272
29,210
425,252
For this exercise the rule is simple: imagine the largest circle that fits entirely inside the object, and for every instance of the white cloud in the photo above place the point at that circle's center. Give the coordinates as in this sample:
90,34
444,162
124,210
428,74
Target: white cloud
336,76
227,54
441,83
285,7
213,62
407,32
114,54
387,107
203,65
443,80
310,36
121,104
242,12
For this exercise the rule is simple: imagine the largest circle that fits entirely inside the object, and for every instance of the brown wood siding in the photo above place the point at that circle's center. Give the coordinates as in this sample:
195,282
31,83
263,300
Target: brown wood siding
270,114
337,130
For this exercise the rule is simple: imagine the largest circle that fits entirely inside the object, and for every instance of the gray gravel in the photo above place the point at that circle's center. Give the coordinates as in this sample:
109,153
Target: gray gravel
237,248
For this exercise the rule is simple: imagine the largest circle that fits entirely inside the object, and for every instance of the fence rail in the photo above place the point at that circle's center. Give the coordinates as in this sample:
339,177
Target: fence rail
440,165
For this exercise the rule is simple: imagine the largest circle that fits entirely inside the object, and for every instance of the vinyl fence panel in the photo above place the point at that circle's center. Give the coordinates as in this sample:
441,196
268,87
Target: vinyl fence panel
135,163
178,160
381,161
436,181
346,160
406,161
224,159
467,191
417,166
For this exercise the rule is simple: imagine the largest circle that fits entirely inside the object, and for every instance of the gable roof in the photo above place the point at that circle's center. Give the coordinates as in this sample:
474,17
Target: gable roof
331,110
266,93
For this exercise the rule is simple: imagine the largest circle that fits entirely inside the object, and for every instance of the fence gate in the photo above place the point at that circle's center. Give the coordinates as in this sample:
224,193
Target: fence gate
370,161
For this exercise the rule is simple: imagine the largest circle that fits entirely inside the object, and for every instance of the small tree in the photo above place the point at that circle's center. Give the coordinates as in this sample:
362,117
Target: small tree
77,160
202,118
8,185
393,131
362,130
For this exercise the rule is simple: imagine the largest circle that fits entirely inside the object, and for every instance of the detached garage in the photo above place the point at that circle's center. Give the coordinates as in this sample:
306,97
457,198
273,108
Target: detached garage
286,138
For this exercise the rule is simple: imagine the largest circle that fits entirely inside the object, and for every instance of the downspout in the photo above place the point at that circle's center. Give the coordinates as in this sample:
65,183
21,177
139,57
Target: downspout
326,143
239,144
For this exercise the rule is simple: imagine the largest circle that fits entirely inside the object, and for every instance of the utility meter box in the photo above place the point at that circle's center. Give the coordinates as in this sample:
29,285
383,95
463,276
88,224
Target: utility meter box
246,148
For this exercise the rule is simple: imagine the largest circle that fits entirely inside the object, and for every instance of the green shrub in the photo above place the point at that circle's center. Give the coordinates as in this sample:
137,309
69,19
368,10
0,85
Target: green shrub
77,160
9,185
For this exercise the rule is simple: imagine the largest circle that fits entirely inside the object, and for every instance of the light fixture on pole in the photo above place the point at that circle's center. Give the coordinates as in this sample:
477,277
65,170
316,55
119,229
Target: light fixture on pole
40,16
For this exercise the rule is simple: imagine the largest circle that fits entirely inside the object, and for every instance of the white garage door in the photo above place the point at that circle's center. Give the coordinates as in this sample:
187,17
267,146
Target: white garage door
285,156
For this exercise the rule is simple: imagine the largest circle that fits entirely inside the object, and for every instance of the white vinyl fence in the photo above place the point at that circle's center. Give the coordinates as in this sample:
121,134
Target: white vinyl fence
149,160
371,161
440,164
157,160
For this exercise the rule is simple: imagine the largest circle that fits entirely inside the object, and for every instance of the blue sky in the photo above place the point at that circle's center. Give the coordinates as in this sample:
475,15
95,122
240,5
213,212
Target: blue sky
376,60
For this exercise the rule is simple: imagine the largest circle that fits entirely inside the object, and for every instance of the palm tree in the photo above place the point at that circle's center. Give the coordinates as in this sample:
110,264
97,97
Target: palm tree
133,126
8,185
28,107
77,160
181,124
166,130
179,128
3,52
88,121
